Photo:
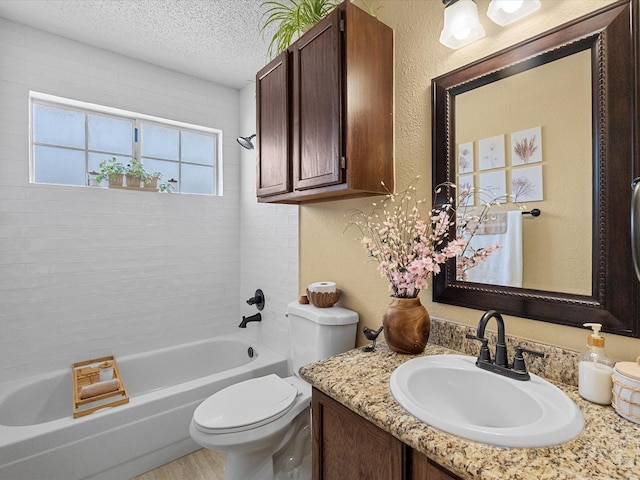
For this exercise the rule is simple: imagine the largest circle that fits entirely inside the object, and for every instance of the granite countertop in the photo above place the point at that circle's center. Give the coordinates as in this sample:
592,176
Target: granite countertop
608,447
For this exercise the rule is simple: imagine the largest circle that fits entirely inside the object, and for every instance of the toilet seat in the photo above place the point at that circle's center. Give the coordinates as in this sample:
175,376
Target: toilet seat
245,405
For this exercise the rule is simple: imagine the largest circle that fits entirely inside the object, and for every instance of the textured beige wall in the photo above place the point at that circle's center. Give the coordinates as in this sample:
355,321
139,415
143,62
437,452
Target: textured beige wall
327,252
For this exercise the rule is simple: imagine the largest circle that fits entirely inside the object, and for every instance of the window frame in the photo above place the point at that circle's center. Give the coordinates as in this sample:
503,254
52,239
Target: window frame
137,119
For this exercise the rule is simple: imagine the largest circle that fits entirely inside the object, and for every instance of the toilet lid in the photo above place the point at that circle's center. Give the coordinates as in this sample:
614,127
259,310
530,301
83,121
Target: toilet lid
245,405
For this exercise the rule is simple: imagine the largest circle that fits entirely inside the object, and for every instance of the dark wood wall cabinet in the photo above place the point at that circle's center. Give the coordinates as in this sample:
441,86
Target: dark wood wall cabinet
348,447
325,112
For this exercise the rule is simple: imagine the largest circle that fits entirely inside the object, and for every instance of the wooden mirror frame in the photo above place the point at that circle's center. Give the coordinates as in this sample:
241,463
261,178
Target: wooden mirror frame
611,35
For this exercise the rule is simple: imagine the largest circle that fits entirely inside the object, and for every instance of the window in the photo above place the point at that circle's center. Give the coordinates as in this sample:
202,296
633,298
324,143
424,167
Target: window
69,139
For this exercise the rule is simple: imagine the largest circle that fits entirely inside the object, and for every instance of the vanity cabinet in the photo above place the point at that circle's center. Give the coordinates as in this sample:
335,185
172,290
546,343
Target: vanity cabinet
348,447
325,112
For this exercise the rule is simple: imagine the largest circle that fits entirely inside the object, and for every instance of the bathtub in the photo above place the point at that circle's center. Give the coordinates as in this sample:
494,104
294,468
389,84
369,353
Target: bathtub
40,439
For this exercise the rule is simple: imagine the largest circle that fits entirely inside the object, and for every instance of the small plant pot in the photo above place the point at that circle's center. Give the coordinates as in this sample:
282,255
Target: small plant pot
133,181
116,179
92,179
151,183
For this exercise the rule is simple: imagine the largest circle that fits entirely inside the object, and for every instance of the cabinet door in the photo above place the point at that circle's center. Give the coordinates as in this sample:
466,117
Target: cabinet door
317,105
273,172
347,447
419,467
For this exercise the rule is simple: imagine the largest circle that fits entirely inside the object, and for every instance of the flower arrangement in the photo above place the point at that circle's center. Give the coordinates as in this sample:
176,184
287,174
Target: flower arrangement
410,248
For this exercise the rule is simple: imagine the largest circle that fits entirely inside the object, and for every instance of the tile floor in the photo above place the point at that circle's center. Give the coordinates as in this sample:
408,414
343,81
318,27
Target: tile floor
200,465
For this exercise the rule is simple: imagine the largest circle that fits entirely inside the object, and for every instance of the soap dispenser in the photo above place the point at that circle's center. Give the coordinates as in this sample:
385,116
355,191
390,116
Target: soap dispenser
595,369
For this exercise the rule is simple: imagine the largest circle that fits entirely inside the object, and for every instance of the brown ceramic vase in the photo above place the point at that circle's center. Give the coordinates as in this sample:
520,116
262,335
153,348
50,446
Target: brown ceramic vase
406,326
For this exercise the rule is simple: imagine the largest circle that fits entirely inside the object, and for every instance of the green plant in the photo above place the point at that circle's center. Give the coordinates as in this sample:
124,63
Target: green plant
151,179
151,176
167,186
294,17
135,168
109,167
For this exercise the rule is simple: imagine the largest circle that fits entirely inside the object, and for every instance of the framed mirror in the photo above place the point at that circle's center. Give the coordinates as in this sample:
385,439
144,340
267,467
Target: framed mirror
571,96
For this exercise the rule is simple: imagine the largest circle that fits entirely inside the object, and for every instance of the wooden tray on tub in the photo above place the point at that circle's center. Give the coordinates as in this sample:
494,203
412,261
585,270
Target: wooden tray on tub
90,393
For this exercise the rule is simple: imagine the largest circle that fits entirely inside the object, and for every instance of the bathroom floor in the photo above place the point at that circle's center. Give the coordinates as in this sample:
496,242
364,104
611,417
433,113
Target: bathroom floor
200,465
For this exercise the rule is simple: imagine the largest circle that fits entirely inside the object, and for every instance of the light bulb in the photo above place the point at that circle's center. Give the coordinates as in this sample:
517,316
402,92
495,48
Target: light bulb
510,6
461,24
504,12
461,33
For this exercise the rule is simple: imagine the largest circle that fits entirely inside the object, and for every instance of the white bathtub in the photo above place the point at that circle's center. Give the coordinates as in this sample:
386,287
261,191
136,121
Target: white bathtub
40,439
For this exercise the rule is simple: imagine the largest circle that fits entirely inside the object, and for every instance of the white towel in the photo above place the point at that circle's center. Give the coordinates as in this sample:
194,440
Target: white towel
504,265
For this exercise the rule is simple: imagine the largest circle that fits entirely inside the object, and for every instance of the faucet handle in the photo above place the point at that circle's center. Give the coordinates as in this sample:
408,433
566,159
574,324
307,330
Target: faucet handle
485,355
518,359
257,300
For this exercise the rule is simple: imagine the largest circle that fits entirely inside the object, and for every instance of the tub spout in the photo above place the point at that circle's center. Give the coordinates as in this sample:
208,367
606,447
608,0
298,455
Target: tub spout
253,318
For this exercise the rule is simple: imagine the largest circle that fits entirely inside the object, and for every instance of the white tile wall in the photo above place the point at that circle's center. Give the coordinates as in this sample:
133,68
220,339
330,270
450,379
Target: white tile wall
269,246
86,272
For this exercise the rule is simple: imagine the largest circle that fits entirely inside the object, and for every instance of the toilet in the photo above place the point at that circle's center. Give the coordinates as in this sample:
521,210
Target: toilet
263,424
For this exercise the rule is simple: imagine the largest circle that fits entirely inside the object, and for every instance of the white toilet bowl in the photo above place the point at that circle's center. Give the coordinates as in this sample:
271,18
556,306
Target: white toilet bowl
262,424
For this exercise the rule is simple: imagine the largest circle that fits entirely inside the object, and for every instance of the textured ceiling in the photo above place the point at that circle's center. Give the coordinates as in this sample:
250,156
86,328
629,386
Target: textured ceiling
218,40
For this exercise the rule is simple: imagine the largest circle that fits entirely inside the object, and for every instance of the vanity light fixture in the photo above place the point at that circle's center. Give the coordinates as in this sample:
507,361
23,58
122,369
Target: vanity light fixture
461,23
246,142
504,12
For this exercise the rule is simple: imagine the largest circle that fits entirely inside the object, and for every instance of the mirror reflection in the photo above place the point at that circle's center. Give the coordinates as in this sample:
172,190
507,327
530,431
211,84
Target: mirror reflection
529,136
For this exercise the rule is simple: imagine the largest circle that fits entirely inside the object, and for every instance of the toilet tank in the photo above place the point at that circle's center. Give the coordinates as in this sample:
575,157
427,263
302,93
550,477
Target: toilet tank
319,333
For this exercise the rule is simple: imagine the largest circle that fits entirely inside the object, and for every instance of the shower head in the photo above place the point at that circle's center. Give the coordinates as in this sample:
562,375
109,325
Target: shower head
245,142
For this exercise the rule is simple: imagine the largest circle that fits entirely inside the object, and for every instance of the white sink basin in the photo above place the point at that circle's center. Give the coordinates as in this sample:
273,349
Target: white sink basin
450,393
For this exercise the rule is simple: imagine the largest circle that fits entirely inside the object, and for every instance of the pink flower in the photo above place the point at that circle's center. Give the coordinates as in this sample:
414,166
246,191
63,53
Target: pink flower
409,249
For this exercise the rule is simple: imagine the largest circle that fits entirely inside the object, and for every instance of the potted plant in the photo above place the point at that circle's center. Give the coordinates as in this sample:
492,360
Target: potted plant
151,180
168,186
135,173
112,170
92,178
294,17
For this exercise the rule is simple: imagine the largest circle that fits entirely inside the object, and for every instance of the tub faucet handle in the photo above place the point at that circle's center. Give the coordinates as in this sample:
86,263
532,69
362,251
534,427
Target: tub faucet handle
257,299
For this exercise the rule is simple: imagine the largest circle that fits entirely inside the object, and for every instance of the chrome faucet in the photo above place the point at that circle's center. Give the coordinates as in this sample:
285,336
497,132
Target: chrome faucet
253,318
500,365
